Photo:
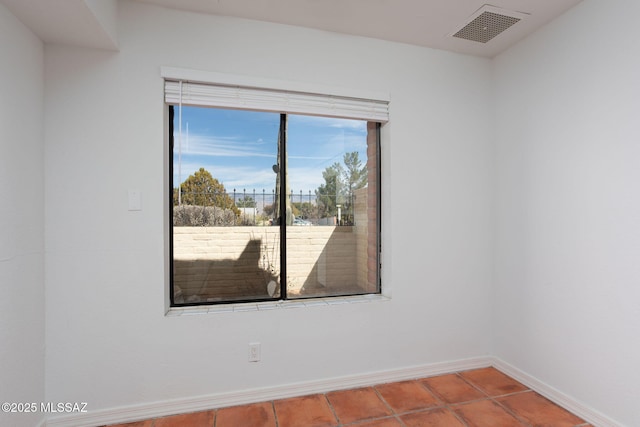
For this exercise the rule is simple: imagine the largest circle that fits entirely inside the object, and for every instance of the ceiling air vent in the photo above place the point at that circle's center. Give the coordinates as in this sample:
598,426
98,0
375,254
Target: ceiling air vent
487,23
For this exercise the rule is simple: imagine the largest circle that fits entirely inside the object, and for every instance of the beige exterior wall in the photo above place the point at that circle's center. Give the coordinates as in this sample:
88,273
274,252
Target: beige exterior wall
223,262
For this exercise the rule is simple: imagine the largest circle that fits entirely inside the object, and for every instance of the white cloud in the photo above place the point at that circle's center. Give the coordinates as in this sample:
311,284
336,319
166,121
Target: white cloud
329,122
244,163
205,145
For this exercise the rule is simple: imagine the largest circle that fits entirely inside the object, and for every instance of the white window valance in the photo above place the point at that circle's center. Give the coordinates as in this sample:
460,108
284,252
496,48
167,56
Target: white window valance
185,92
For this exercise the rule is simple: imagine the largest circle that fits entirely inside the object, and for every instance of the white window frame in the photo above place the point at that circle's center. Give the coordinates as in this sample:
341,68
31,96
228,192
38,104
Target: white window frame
206,88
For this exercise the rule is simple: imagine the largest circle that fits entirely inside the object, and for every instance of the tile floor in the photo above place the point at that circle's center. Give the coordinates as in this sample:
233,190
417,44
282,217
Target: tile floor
474,398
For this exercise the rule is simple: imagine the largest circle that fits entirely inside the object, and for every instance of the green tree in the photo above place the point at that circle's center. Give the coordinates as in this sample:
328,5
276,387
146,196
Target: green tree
332,191
354,174
305,209
202,189
354,177
246,202
340,182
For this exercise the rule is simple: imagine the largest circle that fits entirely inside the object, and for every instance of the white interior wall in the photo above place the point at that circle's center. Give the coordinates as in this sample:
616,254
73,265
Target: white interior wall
567,300
21,219
108,341
565,307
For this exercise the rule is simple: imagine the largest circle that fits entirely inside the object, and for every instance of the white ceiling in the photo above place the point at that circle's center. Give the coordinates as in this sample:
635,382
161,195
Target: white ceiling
419,22
87,23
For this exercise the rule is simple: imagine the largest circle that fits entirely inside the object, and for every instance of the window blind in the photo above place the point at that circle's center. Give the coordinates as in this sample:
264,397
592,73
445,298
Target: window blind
180,92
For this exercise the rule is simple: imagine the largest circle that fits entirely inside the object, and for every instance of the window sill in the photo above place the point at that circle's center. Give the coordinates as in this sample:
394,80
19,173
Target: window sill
275,305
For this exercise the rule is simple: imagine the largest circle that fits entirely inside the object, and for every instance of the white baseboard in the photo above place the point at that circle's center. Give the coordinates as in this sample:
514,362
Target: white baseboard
581,410
201,403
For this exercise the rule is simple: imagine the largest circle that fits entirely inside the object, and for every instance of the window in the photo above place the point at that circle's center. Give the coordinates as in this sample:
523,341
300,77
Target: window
271,205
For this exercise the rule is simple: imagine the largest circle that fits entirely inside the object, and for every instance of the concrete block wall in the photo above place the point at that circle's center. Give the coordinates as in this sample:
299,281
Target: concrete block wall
233,262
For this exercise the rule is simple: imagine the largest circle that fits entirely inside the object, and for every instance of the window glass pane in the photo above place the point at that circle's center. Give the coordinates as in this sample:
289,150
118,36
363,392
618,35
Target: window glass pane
224,245
228,170
331,241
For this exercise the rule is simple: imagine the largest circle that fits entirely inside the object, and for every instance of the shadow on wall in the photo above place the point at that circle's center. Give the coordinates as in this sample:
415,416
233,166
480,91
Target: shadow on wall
336,271
334,264
203,280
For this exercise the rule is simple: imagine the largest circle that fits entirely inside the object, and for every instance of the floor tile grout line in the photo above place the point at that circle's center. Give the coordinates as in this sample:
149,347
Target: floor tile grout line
538,394
431,392
450,405
393,411
367,420
399,420
472,384
375,389
514,393
398,415
527,389
417,411
333,411
392,414
447,407
458,417
446,403
275,414
489,397
509,411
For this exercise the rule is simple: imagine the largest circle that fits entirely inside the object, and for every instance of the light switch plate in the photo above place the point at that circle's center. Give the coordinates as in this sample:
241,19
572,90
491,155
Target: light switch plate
135,200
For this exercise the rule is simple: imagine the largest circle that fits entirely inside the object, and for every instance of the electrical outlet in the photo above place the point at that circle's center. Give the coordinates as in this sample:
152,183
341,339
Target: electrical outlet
254,352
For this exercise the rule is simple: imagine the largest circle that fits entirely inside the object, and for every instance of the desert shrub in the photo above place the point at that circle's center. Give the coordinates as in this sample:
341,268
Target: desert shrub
202,216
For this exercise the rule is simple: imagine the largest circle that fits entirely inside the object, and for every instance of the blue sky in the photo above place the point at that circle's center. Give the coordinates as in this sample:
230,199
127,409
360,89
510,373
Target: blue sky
239,147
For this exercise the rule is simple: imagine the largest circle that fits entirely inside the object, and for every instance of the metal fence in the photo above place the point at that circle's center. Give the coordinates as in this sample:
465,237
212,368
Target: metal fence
257,208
